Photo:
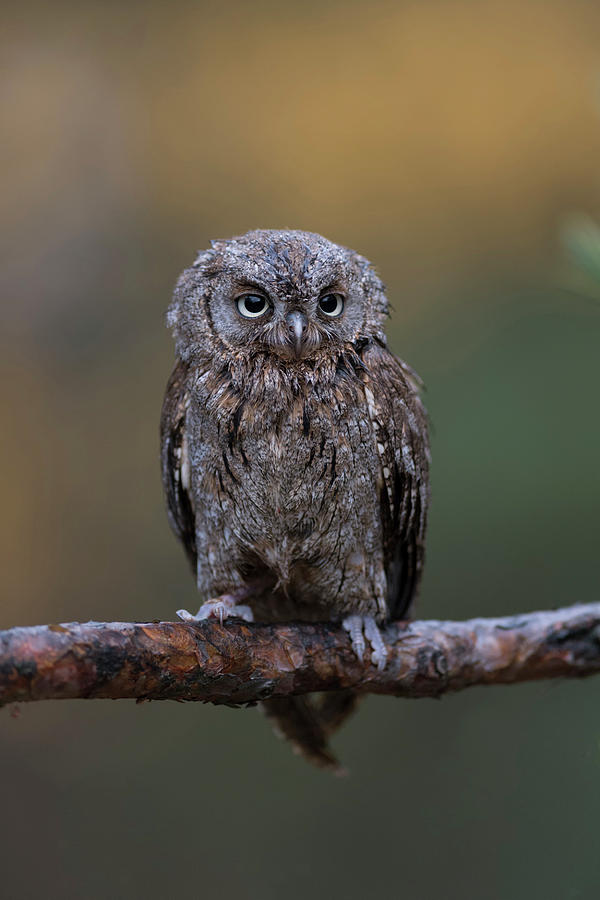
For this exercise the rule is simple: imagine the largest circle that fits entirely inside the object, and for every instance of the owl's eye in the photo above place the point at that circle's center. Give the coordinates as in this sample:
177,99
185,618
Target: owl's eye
251,306
332,305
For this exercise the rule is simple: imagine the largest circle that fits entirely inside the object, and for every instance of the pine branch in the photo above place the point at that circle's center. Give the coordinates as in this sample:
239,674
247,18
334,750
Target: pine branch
238,663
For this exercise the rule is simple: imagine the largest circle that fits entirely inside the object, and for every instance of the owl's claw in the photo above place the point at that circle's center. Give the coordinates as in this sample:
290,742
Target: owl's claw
360,627
354,626
223,607
379,652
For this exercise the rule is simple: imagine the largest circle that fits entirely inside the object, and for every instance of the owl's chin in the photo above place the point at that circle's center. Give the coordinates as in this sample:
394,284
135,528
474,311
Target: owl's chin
291,354
295,352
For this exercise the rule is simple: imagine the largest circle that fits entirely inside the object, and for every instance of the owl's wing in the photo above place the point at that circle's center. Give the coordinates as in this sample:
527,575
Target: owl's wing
174,461
399,424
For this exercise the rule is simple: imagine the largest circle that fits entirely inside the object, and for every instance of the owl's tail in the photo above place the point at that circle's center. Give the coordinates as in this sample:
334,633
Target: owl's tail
308,723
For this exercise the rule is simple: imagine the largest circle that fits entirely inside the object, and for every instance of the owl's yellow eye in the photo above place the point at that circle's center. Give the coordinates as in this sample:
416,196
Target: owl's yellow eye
332,305
251,306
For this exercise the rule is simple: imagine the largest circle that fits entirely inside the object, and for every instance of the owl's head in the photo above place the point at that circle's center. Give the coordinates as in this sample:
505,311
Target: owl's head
289,293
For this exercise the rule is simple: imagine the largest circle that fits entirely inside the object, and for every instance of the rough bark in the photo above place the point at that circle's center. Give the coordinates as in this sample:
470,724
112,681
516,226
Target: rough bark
238,663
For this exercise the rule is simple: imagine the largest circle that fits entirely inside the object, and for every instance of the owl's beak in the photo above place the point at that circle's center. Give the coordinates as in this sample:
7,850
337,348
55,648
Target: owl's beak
298,325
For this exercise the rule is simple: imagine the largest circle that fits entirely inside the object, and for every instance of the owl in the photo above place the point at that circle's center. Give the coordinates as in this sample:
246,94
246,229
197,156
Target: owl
295,450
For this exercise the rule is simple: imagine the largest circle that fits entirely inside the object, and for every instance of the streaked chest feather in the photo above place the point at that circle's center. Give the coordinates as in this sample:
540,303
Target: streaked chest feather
285,473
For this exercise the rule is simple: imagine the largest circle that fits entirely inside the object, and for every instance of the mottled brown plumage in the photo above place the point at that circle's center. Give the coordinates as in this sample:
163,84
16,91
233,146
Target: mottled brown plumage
294,447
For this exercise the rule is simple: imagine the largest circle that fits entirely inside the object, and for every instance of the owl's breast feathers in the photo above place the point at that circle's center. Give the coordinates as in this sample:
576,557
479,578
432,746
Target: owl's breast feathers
300,464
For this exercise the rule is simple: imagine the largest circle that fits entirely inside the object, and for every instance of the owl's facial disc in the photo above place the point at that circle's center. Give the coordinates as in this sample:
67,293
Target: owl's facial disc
293,326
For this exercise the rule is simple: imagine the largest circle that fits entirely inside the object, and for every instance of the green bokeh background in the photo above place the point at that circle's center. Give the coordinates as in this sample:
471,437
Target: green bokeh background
450,142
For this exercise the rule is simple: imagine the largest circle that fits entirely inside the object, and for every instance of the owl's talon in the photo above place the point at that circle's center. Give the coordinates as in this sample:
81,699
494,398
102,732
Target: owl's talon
360,627
185,616
354,626
379,651
223,607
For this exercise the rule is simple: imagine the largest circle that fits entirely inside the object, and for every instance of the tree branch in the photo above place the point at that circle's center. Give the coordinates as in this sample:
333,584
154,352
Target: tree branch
238,663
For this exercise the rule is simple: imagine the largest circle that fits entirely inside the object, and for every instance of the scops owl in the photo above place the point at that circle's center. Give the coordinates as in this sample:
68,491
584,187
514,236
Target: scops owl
294,449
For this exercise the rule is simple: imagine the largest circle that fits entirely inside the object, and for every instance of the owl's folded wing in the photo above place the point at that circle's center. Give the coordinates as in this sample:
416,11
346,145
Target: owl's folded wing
174,461
400,430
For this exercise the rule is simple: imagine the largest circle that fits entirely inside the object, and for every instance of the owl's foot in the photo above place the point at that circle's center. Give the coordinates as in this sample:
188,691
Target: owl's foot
361,627
223,607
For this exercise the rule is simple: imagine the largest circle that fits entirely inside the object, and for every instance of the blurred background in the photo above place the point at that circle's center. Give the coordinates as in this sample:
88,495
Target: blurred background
457,145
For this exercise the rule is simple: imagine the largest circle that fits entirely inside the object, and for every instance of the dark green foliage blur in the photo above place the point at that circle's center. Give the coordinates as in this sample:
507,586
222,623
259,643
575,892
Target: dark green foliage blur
455,144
